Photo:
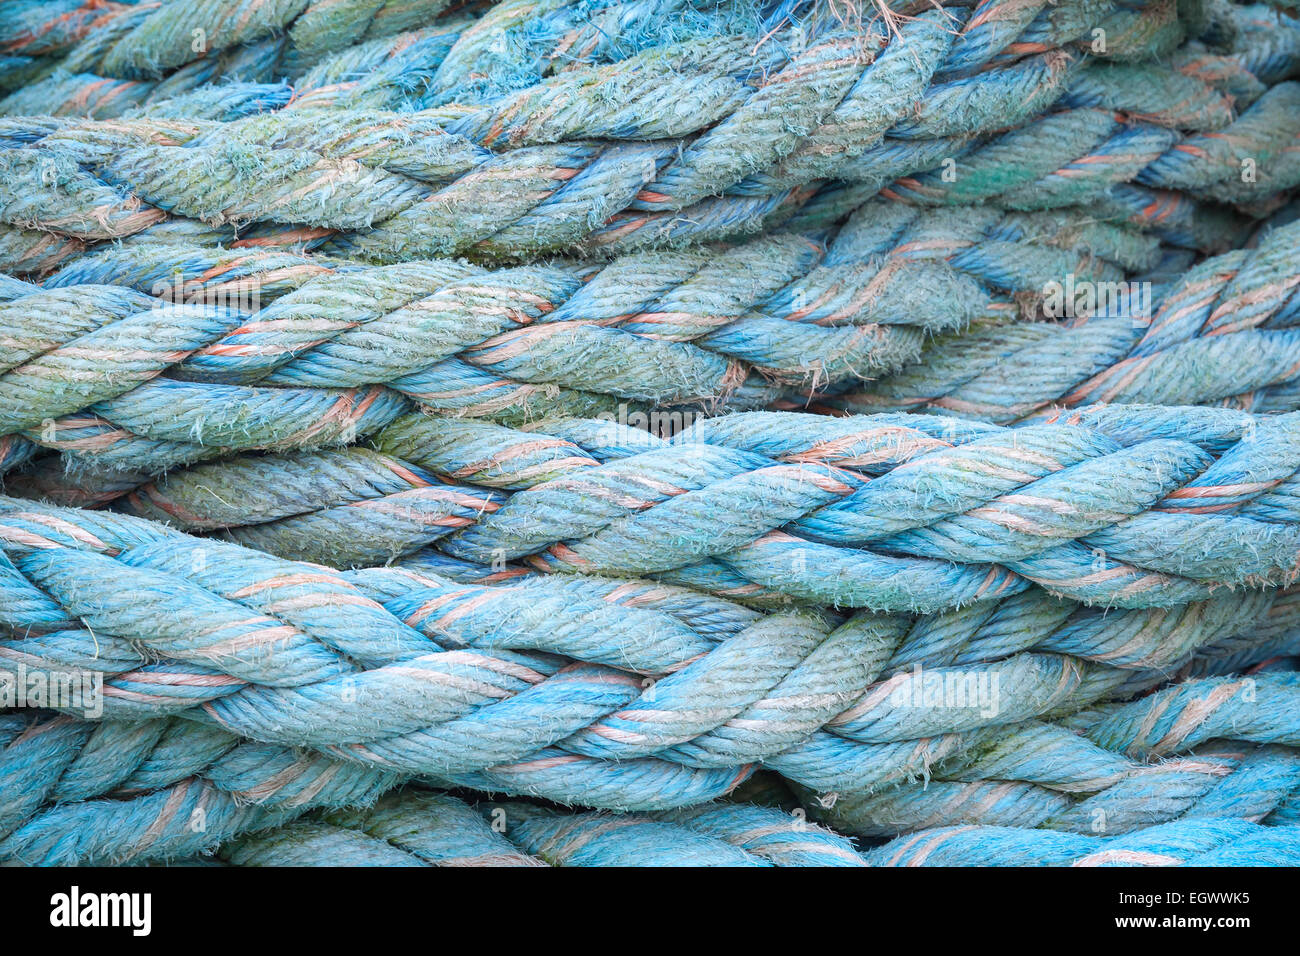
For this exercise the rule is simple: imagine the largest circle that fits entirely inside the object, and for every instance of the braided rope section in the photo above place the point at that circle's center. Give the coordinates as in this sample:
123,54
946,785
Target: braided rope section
118,793
717,327
1223,333
597,692
1124,506
800,111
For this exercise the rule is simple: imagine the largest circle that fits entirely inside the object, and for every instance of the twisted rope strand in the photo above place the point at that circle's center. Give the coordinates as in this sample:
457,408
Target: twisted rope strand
442,831
1182,843
789,689
659,327
173,782
1128,506
571,187
188,788
1222,333
772,500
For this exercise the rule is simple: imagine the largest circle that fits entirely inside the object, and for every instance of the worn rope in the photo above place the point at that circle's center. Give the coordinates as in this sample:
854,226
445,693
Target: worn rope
333,55
793,690
712,327
139,42
77,765
541,197
116,793
854,309
1224,332
336,478
1093,792
113,792
594,840
1182,843
442,831
1129,506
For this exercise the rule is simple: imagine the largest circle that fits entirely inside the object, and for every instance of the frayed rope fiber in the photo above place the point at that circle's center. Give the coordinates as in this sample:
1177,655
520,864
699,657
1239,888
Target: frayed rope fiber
664,328
763,123
386,534
122,381
423,828
597,692
1127,506
1217,335
183,768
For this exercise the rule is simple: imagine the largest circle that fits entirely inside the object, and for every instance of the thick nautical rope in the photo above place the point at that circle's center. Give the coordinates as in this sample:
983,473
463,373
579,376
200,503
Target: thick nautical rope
389,73
379,64
460,685
574,188
1076,130
1130,506
291,37
461,57
497,53
445,484
1177,102
419,829
1182,843
1008,251
457,684
862,304
549,684
778,321
359,506
222,103
27,249
192,786
1081,154
1097,792
1225,332
662,328
1081,776
113,792
150,40
69,764
636,840
118,792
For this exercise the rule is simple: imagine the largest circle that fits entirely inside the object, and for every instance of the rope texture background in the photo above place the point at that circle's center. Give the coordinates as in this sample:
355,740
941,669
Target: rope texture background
648,433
